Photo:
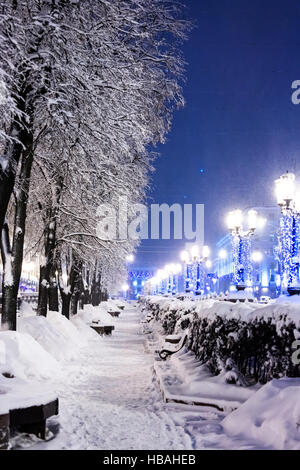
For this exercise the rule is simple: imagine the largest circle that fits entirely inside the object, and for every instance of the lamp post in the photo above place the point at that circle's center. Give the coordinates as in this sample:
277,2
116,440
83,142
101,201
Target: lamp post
185,258
241,246
172,271
162,277
197,259
289,232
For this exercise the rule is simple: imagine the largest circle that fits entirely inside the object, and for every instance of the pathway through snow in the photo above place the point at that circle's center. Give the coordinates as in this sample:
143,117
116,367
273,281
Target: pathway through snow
109,400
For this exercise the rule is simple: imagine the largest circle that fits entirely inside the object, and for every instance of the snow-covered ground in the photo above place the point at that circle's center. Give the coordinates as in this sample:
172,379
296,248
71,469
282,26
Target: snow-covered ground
110,397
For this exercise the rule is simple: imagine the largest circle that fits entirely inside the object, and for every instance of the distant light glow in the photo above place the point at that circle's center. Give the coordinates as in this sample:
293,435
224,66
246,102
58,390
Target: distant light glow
134,283
208,263
278,280
125,287
184,256
222,254
265,279
28,266
130,258
257,256
205,251
261,222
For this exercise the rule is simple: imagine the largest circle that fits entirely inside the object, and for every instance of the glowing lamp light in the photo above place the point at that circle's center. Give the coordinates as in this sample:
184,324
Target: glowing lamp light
167,268
205,251
222,254
184,256
177,268
261,222
265,279
130,258
195,251
257,256
278,280
285,189
235,219
134,283
125,287
208,264
161,274
252,219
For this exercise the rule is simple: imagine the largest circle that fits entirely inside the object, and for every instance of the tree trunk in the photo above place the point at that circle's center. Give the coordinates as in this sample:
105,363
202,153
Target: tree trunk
10,293
66,300
67,293
96,288
43,291
9,289
53,291
78,289
12,154
47,271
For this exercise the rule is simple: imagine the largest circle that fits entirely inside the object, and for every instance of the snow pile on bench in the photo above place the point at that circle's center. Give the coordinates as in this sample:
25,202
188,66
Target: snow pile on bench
271,417
99,314
24,367
55,333
23,357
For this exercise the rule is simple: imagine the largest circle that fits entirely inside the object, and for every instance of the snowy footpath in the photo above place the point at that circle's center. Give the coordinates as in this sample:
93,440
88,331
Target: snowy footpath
109,399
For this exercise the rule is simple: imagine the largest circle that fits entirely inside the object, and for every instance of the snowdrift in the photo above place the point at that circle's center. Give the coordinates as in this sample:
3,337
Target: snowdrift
271,417
23,357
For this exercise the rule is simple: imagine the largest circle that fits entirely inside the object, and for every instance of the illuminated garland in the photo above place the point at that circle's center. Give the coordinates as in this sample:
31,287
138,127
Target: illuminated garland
242,266
289,249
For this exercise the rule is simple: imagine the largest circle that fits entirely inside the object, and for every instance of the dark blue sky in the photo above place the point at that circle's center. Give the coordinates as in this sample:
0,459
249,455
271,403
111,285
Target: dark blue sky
239,125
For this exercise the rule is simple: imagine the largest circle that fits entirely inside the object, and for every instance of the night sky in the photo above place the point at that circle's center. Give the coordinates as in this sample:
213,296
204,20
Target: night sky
239,129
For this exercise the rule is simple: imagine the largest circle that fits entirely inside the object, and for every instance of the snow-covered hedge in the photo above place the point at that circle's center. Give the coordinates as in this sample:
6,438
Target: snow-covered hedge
258,339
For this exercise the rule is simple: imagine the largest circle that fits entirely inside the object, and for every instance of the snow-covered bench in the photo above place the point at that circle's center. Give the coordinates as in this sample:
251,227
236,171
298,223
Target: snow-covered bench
102,329
26,409
114,313
174,344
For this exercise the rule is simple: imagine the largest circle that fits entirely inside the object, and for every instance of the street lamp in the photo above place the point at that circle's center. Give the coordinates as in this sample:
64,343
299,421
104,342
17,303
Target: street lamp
173,270
199,257
161,275
241,246
185,258
289,233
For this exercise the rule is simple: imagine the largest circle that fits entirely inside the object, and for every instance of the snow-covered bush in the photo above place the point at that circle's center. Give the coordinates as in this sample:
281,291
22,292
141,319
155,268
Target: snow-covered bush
257,341
170,312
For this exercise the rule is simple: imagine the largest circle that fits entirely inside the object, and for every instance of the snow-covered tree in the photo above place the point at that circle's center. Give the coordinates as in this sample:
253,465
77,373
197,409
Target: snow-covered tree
88,86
